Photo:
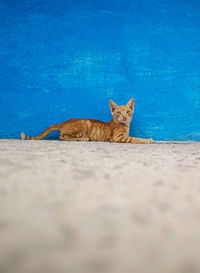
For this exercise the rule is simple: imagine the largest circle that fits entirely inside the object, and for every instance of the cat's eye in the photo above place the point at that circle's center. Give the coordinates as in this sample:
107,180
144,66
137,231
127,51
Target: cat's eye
118,112
128,111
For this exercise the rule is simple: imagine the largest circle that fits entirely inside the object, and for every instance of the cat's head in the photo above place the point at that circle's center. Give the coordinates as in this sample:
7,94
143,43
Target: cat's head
123,113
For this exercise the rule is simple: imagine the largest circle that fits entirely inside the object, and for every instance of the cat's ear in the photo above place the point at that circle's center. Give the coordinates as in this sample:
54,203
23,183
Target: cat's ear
113,105
130,104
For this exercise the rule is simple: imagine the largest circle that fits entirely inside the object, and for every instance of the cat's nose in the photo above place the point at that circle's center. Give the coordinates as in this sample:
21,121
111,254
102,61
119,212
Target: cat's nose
124,118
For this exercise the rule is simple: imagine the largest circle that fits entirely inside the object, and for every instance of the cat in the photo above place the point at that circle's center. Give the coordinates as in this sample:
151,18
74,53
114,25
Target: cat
116,130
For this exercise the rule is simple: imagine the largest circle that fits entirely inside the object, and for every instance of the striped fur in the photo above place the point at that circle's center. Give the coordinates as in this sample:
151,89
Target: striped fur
116,130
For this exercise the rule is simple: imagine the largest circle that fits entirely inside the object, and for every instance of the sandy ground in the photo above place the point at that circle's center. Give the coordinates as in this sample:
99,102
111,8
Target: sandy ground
77,207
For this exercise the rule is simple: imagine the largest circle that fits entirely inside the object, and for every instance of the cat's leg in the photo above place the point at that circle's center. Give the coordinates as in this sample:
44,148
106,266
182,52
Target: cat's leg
125,139
72,134
141,140
70,138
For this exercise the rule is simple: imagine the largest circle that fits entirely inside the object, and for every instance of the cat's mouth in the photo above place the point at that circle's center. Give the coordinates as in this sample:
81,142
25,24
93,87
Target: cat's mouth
124,121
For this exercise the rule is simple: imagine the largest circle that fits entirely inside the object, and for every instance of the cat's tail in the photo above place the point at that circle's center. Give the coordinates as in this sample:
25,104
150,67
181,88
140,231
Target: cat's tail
43,134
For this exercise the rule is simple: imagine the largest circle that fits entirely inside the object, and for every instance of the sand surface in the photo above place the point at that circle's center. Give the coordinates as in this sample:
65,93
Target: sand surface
86,207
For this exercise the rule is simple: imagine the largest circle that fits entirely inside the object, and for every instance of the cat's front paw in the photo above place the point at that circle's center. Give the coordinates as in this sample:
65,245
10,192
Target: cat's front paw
150,140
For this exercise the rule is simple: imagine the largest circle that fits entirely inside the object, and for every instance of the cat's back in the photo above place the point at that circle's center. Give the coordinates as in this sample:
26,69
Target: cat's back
88,122
93,129
98,130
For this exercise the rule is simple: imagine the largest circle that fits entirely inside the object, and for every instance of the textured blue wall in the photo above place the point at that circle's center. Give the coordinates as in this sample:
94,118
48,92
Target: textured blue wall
65,59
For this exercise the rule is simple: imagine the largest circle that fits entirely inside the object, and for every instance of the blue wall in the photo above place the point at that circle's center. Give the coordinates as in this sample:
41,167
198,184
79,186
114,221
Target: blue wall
66,58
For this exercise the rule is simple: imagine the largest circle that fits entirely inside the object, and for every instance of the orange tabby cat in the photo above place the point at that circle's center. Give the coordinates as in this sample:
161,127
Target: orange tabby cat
116,130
